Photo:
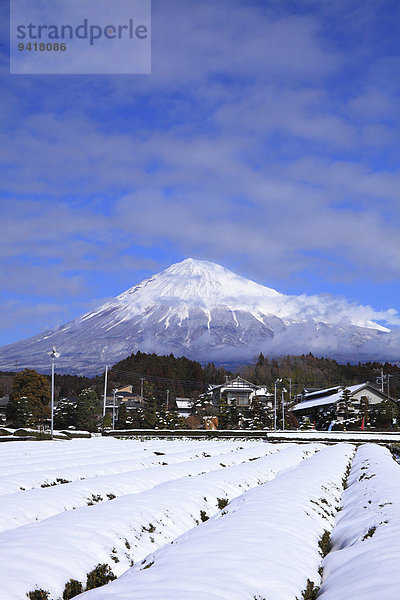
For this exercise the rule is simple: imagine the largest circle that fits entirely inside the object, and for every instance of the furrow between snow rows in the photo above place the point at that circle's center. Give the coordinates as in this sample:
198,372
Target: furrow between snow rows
70,545
106,465
35,505
364,559
264,545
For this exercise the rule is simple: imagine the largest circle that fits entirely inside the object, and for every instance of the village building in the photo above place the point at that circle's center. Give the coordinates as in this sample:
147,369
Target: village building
124,395
3,407
328,401
238,391
184,407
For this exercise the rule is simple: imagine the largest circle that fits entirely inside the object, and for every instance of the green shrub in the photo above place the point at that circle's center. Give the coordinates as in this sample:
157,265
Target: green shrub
38,595
369,533
72,589
95,498
222,502
22,433
311,591
100,575
324,543
204,516
72,434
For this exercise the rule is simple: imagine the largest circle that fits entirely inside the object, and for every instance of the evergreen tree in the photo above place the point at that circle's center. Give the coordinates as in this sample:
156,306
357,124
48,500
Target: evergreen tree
122,416
64,414
18,412
364,410
345,406
233,414
136,419
107,421
150,407
29,399
383,414
88,411
257,415
223,413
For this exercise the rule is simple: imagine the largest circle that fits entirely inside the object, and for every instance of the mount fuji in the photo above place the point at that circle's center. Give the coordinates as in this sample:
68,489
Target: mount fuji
205,312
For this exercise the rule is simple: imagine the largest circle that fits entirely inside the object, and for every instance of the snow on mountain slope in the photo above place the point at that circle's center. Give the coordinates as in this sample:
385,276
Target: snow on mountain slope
204,311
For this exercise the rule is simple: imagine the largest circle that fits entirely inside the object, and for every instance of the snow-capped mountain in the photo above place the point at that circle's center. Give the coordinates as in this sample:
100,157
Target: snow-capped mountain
203,311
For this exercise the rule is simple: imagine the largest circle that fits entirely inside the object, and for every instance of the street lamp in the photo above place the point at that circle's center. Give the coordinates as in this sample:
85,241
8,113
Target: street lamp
276,382
113,410
54,354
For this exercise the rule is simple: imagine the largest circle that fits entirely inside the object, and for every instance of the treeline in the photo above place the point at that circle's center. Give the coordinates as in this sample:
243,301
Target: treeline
308,371
188,378
181,376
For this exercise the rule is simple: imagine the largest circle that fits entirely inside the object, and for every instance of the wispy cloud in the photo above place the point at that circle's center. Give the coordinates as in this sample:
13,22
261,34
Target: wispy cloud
265,139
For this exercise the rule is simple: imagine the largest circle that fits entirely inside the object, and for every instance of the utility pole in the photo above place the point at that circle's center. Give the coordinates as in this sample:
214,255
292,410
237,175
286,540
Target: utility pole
141,389
167,398
388,381
105,392
283,409
382,379
54,354
113,411
276,382
290,388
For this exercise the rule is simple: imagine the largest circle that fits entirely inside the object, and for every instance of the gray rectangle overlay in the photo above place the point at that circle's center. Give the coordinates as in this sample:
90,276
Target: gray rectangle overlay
86,37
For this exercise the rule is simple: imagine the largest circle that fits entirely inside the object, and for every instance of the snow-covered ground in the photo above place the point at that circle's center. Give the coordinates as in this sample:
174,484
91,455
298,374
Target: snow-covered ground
70,544
199,520
364,562
37,504
262,545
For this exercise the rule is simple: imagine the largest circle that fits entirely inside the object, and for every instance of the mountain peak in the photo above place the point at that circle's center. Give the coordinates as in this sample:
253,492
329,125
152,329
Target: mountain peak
204,311
197,281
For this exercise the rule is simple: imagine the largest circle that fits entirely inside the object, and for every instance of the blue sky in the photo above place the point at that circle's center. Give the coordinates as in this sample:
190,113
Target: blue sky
266,140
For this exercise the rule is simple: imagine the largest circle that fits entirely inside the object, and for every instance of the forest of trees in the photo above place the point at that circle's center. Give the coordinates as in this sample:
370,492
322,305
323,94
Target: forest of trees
308,371
30,392
181,376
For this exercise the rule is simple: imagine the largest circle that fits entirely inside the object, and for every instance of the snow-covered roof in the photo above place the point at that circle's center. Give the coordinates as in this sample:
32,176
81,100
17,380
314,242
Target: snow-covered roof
323,392
262,392
238,383
328,399
184,403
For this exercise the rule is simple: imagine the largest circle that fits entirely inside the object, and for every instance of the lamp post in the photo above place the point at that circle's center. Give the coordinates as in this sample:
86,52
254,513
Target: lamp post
113,411
105,392
54,354
276,382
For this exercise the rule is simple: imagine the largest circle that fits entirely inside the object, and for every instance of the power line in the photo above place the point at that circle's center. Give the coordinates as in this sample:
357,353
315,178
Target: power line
156,378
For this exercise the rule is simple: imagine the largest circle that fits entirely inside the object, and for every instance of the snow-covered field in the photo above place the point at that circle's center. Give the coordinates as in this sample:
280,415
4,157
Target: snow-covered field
198,520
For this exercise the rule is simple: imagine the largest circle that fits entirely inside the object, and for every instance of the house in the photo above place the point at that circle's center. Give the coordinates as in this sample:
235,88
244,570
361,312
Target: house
184,407
125,396
3,407
238,391
317,403
264,397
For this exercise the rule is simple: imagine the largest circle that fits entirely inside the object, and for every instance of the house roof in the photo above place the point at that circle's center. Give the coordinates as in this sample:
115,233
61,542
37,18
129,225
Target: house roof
237,383
330,398
184,403
263,392
324,392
